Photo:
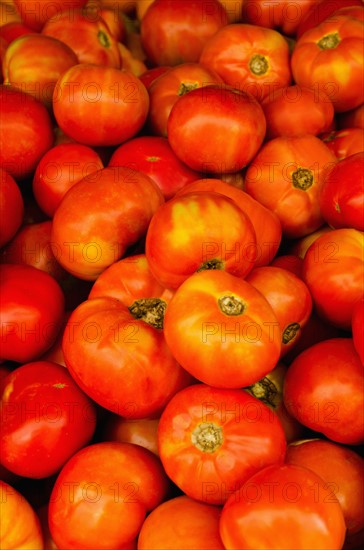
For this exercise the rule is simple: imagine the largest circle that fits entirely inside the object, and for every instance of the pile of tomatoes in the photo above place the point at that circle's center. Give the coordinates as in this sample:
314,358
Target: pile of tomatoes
182,274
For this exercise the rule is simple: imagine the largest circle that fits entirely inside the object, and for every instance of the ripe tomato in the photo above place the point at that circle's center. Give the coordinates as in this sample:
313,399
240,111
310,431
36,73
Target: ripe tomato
12,30
116,99
333,269
290,262
32,305
222,330
103,494
344,143
20,525
343,470
211,440
151,74
11,207
100,216
323,389
233,117
45,419
321,10
181,523
294,110
169,39
35,13
342,193
353,118
321,52
283,507
286,176
250,58
357,324
283,15
142,431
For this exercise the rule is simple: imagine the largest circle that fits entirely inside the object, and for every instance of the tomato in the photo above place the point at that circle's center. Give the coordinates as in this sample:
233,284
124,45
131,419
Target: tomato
110,14
22,114
173,83
321,10
59,169
53,58
116,99
357,325
343,470
103,494
250,58
181,523
199,231
342,194
12,30
333,269
353,118
122,202
143,431
169,39
300,246
233,117
122,362
20,525
290,262
214,314
45,419
211,440
323,389
344,143
283,507
286,176
320,54
153,156
32,312
35,13
294,110
150,75
11,207
87,35
289,297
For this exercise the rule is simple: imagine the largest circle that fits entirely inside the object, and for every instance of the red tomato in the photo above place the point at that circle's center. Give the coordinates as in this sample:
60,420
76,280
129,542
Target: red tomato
214,314
357,327
211,440
323,389
32,305
181,523
343,470
153,156
333,269
342,193
12,30
45,417
20,525
143,431
165,90
169,39
116,99
344,143
22,114
122,362
353,118
300,246
35,13
151,74
233,117
294,110
250,58
283,507
87,35
103,494
320,53
290,262
59,169
11,207
199,231
39,78
321,10
286,176
122,202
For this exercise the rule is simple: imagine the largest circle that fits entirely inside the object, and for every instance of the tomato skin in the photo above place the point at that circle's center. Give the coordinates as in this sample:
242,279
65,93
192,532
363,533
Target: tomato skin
342,194
343,470
357,325
323,389
38,442
11,207
151,74
116,99
32,312
345,142
199,326
103,493
216,110
283,15
20,525
333,270
283,507
353,118
210,440
36,13
321,10
143,431
12,30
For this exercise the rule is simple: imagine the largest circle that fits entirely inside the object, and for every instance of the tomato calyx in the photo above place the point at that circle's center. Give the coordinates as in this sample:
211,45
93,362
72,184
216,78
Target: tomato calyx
150,310
329,41
207,437
186,87
302,178
103,39
290,332
214,263
231,305
266,391
258,64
